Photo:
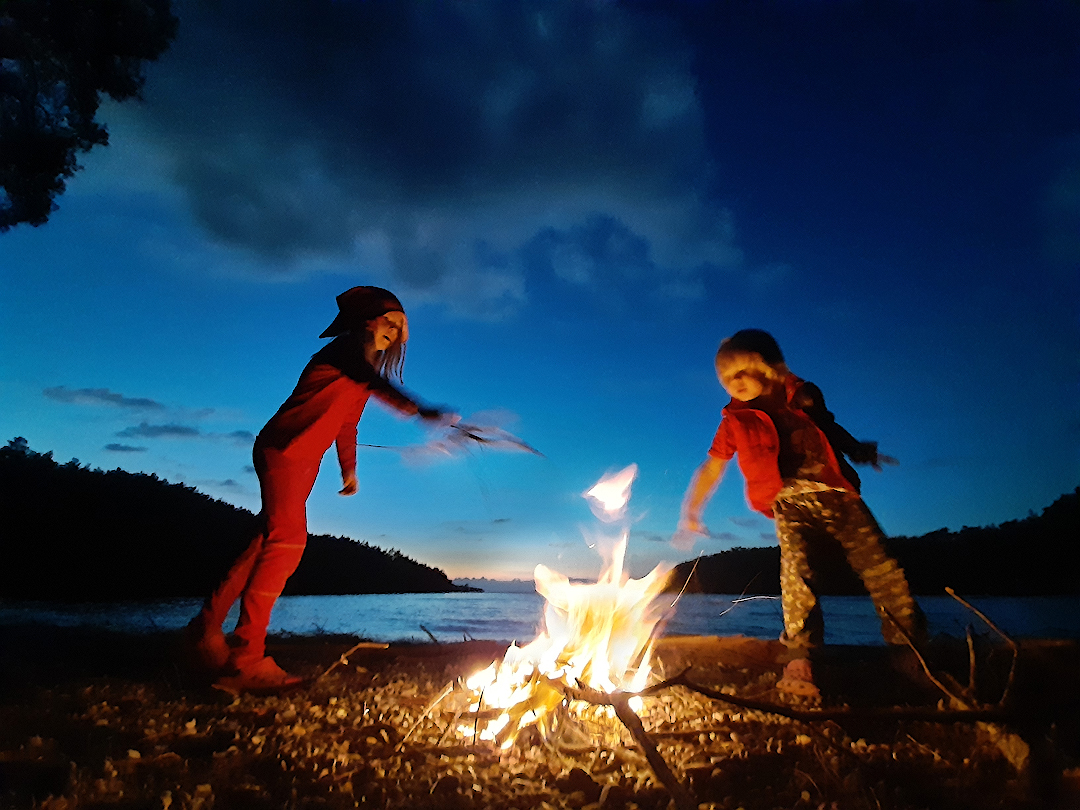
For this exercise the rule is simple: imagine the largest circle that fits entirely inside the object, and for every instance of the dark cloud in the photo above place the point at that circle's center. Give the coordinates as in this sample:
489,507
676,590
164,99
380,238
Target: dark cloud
100,396
147,431
652,538
407,135
727,537
745,522
124,448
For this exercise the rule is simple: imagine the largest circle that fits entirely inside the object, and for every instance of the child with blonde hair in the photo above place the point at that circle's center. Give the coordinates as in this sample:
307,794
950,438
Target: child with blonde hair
791,453
366,354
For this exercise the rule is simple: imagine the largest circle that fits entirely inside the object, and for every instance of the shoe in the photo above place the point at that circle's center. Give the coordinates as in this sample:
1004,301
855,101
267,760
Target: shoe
798,679
262,676
207,645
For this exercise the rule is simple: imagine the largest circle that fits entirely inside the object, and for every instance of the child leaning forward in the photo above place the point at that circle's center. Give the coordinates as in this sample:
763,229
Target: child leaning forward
791,453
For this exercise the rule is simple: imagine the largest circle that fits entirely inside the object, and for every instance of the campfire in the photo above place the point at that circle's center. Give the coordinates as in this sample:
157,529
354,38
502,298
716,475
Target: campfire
597,636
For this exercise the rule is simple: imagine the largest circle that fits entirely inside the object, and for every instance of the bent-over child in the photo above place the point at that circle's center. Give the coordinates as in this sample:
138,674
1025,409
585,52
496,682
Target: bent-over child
368,349
791,451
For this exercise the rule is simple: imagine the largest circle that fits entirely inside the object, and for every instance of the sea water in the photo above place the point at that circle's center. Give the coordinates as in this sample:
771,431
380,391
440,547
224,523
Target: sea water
448,617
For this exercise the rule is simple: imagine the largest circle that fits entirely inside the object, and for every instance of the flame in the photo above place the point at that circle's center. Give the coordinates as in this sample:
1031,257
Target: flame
609,496
599,635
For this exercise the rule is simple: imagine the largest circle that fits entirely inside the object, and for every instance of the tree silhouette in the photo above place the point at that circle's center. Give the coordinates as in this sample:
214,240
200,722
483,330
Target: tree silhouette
1019,558
71,533
57,57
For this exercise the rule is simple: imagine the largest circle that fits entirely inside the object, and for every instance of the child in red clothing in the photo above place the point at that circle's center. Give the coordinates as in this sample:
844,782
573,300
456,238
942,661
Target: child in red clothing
791,453
370,332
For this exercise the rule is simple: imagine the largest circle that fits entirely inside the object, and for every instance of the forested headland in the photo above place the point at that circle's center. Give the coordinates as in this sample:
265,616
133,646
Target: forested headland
1028,557
68,532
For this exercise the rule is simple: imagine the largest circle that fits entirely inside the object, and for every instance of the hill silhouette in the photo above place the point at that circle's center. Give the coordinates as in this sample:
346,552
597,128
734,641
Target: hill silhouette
1028,557
68,532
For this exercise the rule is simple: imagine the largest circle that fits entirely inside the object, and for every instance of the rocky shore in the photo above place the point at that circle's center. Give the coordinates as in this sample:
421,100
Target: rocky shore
93,719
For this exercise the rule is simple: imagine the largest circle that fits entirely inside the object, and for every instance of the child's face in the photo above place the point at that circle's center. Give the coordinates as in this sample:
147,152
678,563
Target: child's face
386,330
743,379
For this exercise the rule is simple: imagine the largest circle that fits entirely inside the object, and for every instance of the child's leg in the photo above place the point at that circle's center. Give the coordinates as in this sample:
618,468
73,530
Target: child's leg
285,489
804,626
855,527
217,605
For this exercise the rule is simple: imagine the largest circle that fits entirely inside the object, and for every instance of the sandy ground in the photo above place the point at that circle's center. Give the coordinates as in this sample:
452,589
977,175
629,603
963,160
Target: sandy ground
92,719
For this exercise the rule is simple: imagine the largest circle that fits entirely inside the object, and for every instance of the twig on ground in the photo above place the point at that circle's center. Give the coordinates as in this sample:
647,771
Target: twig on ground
429,634
426,713
344,659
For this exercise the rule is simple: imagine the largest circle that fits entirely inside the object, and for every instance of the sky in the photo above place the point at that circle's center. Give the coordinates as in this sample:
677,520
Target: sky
575,201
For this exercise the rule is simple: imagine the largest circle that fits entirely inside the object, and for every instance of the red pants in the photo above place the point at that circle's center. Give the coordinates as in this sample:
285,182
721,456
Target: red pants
259,574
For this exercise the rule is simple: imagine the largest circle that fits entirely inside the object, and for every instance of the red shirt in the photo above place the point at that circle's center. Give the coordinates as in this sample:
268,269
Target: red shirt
326,405
751,434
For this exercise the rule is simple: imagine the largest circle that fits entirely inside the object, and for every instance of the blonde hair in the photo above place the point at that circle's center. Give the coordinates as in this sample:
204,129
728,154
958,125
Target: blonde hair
391,362
731,358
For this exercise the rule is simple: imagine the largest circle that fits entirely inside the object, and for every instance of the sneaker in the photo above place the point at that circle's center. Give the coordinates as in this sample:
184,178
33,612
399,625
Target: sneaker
798,679
207,646
262,676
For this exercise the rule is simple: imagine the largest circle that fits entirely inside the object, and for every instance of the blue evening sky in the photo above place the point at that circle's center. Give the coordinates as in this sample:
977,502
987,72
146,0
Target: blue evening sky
575,201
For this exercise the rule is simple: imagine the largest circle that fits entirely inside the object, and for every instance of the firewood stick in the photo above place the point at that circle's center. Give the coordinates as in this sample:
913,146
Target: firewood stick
684,799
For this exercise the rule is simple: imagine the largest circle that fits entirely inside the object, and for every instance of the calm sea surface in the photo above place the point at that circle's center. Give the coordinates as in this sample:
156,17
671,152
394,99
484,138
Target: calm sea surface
517,617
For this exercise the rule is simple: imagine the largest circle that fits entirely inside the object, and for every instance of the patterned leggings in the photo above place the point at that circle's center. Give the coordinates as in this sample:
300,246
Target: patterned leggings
804,520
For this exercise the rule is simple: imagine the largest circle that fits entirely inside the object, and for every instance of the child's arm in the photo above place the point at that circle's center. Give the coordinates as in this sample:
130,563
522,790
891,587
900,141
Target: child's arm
701,488
811,401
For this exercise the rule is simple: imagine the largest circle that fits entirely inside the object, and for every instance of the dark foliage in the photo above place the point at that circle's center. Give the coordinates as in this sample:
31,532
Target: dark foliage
71,533
57,58
1029,557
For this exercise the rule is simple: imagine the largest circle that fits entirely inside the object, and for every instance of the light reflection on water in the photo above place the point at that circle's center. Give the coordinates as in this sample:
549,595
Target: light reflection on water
509,616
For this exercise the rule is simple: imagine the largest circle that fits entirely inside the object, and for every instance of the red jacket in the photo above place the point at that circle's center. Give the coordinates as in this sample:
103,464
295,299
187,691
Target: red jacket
750,433
326,405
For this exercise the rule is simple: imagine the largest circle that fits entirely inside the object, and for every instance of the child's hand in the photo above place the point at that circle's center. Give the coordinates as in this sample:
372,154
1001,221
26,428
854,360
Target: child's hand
683,540
351,484
689,532
883,459
438,418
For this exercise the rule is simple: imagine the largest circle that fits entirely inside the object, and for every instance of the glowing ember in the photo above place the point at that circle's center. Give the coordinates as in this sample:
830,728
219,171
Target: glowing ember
598,635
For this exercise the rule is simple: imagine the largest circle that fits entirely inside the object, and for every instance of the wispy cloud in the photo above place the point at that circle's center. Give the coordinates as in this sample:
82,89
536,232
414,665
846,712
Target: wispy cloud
100,396
124,448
